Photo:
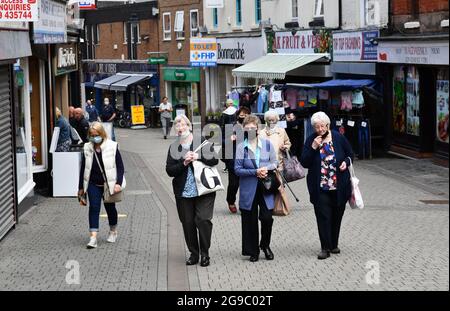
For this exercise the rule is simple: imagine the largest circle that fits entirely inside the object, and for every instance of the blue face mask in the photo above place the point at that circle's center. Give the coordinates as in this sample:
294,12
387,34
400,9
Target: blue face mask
96,139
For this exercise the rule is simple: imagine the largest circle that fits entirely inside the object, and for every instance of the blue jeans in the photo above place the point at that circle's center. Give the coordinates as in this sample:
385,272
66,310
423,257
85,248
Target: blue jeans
95,194
363,142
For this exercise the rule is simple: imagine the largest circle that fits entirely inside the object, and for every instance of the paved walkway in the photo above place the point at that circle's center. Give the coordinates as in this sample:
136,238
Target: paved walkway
400,241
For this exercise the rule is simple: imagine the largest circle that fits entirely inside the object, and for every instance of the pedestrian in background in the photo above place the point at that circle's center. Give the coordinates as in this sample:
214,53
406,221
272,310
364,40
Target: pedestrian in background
233,179
327,155
255,156
195,212
81,125
64,139
165,109
108,115
92,111
101,157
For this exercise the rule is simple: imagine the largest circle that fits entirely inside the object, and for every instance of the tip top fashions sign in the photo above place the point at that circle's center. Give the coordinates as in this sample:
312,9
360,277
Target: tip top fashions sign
19,10
355,46
203,52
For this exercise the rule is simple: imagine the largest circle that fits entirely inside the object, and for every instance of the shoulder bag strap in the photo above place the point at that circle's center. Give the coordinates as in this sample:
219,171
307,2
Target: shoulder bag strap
101,169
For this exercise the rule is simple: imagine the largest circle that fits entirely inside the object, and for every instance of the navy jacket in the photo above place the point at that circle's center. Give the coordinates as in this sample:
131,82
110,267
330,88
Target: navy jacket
310,159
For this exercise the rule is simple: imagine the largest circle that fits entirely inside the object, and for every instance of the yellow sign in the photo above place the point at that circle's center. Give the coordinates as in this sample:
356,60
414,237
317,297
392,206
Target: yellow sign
137,115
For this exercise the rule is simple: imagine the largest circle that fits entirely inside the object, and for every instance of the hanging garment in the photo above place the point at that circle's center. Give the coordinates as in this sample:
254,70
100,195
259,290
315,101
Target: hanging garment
324,95
235,97
312,97
364,140
346,101
291,97
357,98
263,99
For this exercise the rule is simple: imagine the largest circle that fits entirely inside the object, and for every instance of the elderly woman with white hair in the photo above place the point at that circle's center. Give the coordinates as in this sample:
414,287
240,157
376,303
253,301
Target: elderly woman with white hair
195,212
327,155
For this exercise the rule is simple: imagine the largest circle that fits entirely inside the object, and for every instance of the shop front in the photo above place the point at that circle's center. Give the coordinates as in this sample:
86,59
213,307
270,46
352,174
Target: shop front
418,96
125,83
182,89
232,52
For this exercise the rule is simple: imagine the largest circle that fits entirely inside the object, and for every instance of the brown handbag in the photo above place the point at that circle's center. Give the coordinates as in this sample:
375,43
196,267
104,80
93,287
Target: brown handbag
281,205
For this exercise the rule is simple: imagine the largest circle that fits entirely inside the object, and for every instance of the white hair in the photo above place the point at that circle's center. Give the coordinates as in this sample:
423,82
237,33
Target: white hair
182,117
271,113
320,116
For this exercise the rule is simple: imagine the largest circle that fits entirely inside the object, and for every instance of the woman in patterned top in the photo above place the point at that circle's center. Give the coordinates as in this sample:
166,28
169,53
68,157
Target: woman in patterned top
327,156
195,212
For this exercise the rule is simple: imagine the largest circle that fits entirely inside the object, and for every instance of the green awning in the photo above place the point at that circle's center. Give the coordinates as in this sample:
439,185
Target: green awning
275,65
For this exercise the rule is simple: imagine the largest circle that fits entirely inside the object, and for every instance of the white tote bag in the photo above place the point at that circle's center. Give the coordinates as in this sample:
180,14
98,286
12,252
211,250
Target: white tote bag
356,200
207,178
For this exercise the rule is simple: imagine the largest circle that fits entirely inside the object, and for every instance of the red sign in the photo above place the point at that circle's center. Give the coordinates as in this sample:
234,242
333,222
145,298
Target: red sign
19,10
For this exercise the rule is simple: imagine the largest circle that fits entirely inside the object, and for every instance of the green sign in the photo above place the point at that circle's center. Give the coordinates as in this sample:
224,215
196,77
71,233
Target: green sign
157,60
181,74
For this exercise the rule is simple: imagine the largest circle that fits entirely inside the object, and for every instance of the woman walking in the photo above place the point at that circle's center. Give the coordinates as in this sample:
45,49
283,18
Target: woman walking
195,212
327,155
255,157
165,109
101,158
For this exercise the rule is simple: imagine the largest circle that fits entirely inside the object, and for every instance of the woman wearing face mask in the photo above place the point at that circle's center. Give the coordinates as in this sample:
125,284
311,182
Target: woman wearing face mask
195,212
100,154
281,143
326,154
254,158
233,180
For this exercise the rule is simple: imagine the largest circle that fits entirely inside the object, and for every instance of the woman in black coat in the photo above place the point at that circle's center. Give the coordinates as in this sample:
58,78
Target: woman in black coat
327,156
195,212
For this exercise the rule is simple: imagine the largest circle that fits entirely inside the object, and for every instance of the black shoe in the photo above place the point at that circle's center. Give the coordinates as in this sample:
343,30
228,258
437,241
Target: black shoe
267,252
254,258
165,137
191,261
204,262
324,254
336,250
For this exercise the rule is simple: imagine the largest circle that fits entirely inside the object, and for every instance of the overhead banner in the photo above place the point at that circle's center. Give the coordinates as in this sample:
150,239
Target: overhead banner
19,10
414,52
302,42
239,51
355,46
52,23
203,52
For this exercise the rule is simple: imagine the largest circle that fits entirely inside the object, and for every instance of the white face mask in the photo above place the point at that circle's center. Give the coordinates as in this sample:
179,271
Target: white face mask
106,103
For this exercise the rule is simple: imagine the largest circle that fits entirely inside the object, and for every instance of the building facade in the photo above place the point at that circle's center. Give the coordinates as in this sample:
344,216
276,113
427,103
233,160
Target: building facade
414,53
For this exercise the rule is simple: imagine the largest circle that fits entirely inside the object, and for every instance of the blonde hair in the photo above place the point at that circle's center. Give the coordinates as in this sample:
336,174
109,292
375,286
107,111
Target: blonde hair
251,118
97,126
57,112
182,117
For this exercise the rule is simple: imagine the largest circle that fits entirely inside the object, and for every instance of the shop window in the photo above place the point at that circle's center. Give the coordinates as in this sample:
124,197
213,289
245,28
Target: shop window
238,12
215,18
167,27
442,106
194,23
371,12
295,9
258,11
125,33
179,25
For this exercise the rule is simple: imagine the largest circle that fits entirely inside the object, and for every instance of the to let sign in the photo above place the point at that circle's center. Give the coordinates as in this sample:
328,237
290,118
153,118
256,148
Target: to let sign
19,10
203,52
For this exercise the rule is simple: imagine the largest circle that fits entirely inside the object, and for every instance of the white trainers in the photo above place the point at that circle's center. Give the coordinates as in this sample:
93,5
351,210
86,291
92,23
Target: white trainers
112,237
92,242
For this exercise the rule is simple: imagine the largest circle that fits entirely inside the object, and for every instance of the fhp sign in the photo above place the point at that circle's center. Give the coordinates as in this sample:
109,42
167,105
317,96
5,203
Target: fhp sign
203,52
19,10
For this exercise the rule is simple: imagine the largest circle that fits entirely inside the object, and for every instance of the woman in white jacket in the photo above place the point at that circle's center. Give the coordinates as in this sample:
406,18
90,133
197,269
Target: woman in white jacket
92,180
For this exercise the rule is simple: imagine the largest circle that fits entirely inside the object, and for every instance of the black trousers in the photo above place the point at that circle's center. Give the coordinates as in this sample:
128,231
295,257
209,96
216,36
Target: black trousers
195,215
233,187
250,230
329,217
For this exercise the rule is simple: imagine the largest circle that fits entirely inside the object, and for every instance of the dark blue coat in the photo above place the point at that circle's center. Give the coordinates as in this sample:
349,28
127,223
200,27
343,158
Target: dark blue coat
310,159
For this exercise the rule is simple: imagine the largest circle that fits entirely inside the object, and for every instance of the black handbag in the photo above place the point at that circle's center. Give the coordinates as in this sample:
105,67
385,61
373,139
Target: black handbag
271,183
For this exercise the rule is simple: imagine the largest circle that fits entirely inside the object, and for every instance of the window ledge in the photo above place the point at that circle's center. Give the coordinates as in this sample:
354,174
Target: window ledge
237,28
255,27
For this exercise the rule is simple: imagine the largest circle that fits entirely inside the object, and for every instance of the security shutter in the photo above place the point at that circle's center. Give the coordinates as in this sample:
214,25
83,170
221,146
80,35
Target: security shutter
7,201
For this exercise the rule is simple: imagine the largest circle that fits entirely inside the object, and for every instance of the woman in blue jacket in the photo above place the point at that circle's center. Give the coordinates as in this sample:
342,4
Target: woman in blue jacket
254,158
327,156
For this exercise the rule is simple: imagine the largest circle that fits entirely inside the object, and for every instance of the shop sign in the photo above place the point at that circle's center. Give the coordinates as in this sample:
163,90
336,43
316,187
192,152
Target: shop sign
303,42
66,59
181,74
203,52
442,104
87,5
113,68
355,46
137,115
52,23
239,51
157,60
19,10
426,53
14,25
214,4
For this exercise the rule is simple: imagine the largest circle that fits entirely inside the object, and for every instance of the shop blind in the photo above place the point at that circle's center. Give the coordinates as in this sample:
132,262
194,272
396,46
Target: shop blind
6,155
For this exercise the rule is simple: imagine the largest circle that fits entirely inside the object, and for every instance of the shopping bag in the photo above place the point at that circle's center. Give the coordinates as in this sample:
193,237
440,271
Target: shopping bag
207,178
356,200
292,170
282,206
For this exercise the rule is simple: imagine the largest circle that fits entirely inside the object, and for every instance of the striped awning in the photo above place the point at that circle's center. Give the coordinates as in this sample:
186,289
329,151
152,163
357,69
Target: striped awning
276,66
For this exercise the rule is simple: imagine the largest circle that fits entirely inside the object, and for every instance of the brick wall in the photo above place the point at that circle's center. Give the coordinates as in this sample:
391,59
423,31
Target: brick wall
405,7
